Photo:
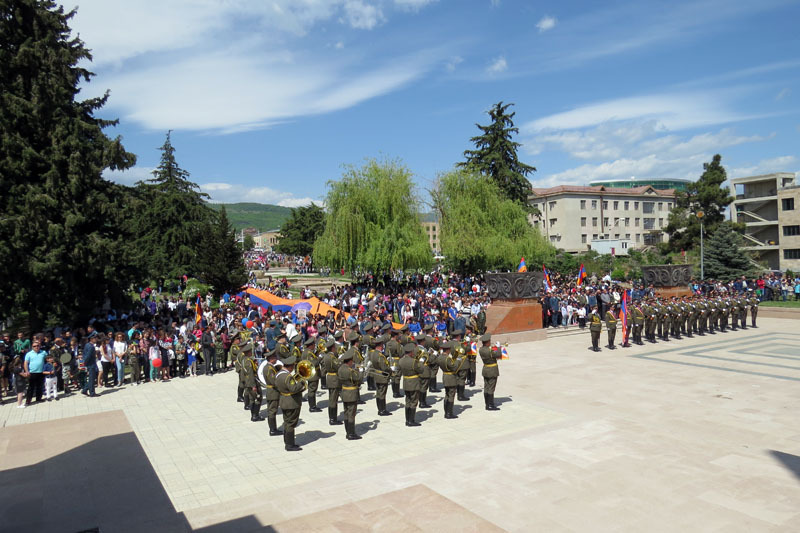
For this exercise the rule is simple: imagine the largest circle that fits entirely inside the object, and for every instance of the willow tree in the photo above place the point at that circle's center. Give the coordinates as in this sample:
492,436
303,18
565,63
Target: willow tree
481,228
373,221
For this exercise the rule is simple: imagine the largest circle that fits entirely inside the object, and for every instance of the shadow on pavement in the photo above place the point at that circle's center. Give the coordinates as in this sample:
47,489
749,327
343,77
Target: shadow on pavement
791,462
307,437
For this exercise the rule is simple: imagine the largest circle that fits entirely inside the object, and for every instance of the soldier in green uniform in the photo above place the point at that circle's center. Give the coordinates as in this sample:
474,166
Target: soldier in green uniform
252,390
268,373
350,382
663,314
358,358
365,343
611,325
410,370
330,365
638,323
449,364
425,373
381,364
595,325
394,351
432,345
463,371
291,391
235,354
753,301
738,318
724,312
312,382
676,314
650,321
472,356
490,371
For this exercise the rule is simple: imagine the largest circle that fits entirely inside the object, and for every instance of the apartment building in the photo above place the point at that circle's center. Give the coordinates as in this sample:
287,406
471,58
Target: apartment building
769,207
572,217
431,228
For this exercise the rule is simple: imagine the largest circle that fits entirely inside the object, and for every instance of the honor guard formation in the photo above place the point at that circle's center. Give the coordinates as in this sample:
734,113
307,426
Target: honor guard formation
383,357
671,318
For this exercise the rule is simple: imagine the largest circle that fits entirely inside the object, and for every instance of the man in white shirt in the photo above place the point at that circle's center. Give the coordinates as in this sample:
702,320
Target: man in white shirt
291,330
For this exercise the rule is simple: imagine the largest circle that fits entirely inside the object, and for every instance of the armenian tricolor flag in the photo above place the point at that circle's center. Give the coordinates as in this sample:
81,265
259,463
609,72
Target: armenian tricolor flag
198,310
522,267
548,285
623,317
581,275
503,352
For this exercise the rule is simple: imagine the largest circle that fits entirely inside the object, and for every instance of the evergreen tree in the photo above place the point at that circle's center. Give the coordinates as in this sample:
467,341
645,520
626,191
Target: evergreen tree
706,195
724,259
373,221
481,229
61,238
173,219
300,232
219,261
495,156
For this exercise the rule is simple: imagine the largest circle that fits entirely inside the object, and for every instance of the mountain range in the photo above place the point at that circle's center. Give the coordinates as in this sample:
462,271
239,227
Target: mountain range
264,217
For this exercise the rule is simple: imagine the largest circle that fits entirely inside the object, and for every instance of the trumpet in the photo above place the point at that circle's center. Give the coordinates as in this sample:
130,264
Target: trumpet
304,371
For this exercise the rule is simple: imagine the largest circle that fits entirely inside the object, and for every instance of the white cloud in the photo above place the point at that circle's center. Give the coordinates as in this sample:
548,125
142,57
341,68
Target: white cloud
785,163
783,94
129,177
221,192
361,15
546,23
497,66
413,5
339,45
451,65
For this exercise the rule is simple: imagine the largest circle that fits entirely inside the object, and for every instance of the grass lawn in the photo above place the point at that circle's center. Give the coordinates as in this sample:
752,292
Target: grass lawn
781,303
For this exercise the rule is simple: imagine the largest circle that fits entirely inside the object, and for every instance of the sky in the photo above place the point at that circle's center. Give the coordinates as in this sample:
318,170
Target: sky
269,100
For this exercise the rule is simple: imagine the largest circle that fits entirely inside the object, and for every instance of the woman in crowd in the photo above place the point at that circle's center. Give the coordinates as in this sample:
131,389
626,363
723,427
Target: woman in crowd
20,380
120,350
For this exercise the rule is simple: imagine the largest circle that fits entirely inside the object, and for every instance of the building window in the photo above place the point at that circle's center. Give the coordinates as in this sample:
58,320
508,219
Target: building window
552,205
627,236
627,205
583,222
583,239
660,206
594,236
627,222
660,222
583,204
616,221
791,253
624,244
605,204
553,222
638,237
616,204
636,205
669,206
605,236
605,221
594,204
636,222
648,207
616,236
787,204
594,222
649,223
789,231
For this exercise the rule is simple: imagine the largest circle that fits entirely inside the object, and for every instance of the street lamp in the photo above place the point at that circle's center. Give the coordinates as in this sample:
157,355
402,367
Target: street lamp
700,216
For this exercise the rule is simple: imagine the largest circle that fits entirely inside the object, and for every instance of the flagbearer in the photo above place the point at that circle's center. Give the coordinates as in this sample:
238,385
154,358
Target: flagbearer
490,371
595,325
638,324
625,320
611,326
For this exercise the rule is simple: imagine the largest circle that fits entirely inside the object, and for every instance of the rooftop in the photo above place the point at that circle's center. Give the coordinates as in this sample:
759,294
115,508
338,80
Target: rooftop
600,189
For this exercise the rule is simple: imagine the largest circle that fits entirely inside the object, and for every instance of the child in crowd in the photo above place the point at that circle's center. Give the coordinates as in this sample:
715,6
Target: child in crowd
191,357
50,379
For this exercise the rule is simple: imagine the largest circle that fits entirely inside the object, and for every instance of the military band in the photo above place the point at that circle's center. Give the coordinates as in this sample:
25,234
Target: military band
672,318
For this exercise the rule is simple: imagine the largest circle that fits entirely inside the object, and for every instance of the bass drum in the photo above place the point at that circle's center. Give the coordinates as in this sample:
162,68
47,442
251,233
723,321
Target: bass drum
260,372
66,357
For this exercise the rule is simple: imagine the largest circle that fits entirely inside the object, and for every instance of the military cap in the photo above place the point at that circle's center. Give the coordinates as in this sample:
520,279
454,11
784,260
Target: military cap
458,332
410,347
271,353
367,325
353,336
330,343
446,345
381,339
282,334
296,339
420,337
404,327
348,355
486,337
428,327
338,334
290,360
386,327
309,341
322,330
246,347
282,350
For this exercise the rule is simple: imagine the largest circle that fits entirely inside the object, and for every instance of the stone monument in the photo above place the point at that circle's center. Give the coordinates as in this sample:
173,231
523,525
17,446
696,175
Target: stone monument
668,280
515,314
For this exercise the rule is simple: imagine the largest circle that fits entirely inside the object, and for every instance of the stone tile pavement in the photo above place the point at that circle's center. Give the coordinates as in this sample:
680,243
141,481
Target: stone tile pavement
696,434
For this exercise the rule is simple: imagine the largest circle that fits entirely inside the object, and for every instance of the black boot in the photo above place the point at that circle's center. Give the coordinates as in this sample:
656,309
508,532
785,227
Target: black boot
288,440
383,411
332,417
460,394
312,403
370,383
410,415
351,431
423,401
359,400
246,404
254,410
490,406
448,411
396,390
273,427
432,387
239,393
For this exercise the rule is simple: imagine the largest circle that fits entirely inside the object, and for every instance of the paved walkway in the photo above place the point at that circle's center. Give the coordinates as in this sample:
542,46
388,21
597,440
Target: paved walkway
698,434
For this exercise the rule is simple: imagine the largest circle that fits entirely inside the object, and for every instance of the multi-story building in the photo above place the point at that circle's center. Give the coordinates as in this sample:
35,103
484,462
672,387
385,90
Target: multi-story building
769,207
431,228
266,240
678,184
572,217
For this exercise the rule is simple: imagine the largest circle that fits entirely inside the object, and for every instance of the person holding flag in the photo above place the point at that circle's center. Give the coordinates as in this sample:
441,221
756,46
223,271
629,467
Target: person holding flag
611,325
522,267
581,275
548,286
638,323
623,319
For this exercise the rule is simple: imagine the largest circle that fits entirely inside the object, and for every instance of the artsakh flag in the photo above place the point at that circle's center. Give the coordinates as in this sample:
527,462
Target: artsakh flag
623,317
581,275
522,267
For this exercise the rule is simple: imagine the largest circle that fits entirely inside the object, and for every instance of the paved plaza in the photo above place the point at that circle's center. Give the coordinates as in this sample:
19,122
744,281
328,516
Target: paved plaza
699,434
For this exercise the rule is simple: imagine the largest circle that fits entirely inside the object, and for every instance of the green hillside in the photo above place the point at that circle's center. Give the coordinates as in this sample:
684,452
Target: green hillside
251,215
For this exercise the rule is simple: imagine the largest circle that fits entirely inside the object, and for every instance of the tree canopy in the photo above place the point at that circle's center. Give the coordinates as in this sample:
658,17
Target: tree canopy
706,195
373,221
173,219
481,229
60,232
495,155
723,258
301,231
219,260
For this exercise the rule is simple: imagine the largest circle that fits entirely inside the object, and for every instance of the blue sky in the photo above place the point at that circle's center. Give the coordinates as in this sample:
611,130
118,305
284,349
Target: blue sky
267,99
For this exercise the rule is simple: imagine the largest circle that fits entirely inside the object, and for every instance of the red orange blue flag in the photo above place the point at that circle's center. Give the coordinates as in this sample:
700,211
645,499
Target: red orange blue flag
522,267
581,275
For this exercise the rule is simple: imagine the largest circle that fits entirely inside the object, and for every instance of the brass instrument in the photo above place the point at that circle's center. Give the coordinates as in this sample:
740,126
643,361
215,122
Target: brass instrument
297,352
304,370
365,369
321,347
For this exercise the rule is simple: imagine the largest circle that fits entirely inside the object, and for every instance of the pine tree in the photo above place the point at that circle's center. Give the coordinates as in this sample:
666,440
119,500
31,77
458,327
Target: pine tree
706,195
723,257
300,232
59,234
171,225
496,156
219,260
